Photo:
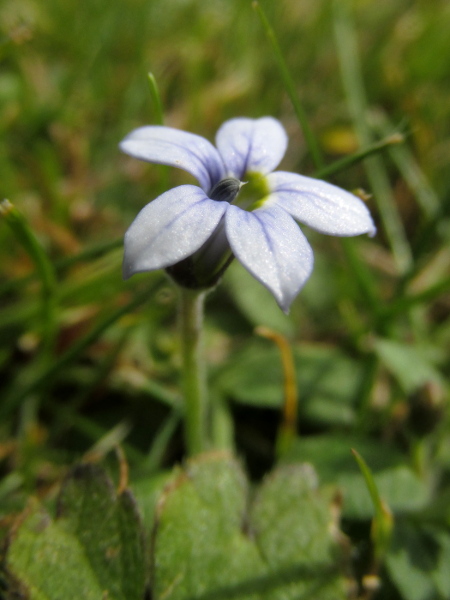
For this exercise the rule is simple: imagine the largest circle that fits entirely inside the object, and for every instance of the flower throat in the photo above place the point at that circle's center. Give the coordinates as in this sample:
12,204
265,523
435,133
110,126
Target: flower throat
248,195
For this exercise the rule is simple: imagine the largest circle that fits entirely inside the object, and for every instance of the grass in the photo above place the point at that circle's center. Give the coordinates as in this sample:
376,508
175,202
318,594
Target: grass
83,353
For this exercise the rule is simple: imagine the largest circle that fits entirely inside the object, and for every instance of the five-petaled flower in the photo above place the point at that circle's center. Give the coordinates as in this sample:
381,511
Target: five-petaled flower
194,232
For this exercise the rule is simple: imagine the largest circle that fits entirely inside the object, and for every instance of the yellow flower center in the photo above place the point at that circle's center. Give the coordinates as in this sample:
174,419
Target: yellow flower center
253,192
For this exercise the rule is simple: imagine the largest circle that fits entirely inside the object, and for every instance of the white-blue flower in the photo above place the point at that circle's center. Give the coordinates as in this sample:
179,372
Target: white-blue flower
194,231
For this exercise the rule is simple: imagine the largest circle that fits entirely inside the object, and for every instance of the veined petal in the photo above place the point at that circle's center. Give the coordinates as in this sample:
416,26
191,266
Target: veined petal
270,245
170,228
320,205
175,148
251,145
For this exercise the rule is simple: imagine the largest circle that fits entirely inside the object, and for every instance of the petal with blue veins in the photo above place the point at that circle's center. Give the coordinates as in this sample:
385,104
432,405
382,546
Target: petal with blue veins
270,245
169,229
249,145
175,148
320,205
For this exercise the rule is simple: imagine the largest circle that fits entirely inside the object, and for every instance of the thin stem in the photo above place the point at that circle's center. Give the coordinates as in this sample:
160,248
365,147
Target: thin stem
288,428
194,387
348,161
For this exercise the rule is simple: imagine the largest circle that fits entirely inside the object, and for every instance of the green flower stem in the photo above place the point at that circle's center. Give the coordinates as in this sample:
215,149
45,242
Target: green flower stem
194,387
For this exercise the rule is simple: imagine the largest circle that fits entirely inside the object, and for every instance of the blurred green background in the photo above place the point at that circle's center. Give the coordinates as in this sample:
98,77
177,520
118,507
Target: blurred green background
88,361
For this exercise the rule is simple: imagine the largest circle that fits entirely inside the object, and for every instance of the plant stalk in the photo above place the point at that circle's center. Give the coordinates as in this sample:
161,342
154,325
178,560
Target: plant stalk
193,371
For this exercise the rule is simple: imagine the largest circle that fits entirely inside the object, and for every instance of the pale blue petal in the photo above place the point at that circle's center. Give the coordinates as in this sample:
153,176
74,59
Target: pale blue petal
168,146
320,205
270,245
170,228
251,145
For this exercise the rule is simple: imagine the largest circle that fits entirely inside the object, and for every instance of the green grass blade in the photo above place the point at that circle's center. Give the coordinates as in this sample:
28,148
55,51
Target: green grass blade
382,524
347,50
24,234
416,180
289,85
19,394
353,159
156,99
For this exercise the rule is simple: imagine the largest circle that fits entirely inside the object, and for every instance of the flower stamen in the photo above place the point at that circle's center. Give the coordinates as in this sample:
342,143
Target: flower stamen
226,190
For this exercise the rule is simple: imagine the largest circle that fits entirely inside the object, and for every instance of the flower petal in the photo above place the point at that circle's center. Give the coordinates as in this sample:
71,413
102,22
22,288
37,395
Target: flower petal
169,146
272,248
170,228
251,145
320,205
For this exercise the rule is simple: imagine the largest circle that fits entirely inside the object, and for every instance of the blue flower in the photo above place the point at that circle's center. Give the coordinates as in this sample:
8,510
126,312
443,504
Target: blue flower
243,209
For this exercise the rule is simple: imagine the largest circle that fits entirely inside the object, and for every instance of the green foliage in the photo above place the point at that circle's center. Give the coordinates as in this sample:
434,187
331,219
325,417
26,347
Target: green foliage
92,549
199,542
398,485
208,540
329,381
418,561
88,362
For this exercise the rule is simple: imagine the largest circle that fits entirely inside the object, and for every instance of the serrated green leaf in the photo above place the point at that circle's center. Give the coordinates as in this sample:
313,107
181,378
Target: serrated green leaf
49,563
199,542
207,546
93,549
296,528
147,491
108,527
